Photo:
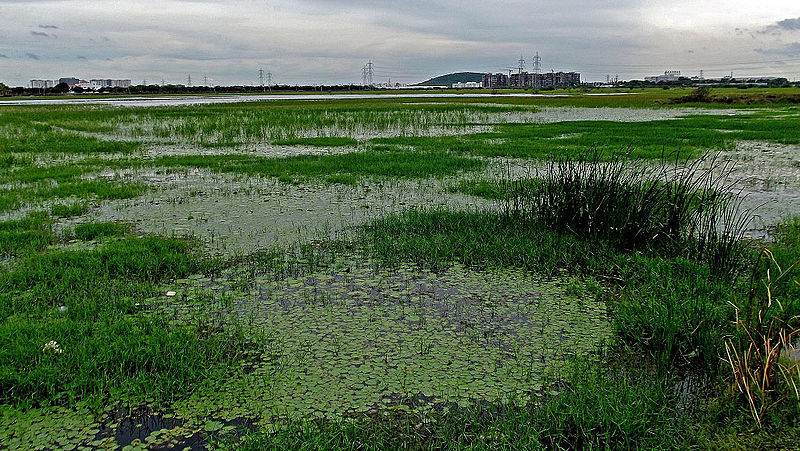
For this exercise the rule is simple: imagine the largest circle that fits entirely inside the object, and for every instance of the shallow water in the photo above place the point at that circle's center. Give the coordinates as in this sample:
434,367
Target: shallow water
231,98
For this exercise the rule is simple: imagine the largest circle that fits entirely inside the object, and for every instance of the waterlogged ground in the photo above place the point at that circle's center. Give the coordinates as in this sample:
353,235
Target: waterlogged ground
346,339
350,335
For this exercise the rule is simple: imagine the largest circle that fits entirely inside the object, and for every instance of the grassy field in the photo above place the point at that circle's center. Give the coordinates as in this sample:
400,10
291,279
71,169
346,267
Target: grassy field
419,273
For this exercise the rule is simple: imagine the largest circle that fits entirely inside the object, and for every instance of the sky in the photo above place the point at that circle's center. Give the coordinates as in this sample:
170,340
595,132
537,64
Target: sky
329,41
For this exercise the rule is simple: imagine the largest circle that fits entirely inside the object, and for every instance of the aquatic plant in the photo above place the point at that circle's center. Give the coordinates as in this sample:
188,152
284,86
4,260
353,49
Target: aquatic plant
761,353
687,209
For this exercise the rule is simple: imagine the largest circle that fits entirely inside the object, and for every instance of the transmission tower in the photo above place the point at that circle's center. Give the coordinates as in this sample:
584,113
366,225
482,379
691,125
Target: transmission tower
205,80
189,80
269,80
144,82
370,72
364,75
261,77
162,81
537,69
520,68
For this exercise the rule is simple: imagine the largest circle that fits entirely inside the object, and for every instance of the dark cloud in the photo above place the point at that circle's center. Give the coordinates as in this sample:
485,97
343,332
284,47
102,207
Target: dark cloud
3,56
50,27
32,56
39,33
792,49
789,24
81,57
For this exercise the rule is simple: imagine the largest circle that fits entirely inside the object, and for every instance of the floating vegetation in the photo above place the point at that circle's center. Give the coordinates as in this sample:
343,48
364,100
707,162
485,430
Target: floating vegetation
354,337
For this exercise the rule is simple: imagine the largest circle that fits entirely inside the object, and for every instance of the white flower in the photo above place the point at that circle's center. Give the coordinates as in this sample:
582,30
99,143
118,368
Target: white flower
53,347
171,294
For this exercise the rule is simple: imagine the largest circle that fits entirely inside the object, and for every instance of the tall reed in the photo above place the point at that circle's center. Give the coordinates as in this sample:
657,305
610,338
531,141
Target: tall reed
675,207
762,371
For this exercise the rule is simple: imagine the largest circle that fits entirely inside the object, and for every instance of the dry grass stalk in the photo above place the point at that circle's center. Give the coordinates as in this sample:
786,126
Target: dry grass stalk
763,371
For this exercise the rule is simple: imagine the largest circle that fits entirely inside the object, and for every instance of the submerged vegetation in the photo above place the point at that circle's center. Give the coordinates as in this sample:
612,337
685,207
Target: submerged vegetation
461,273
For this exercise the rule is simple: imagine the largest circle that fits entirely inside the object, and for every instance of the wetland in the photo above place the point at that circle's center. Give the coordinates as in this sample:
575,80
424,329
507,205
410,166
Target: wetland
375,272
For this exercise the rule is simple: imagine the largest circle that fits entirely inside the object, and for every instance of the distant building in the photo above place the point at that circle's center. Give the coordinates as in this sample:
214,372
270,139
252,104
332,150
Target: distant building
467,84
670,75
551,79
497,80
120,83
42,84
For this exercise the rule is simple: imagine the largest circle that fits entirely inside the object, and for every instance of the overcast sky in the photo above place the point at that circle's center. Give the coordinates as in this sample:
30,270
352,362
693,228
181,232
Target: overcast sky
328,41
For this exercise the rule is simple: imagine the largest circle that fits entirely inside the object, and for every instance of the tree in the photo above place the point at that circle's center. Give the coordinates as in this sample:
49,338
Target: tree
77,90
4,90
61,88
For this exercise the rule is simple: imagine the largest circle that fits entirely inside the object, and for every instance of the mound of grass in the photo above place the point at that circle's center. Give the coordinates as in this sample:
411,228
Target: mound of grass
69,210
486,188
26,236
94,230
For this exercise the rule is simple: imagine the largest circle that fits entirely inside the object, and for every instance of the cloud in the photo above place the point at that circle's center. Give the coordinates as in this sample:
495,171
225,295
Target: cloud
32,56
775,29
792,49
320,41
789,24
3,55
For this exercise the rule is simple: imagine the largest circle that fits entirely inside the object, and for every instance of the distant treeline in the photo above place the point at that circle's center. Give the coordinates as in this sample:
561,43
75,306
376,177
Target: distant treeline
181,89
63,88
725,83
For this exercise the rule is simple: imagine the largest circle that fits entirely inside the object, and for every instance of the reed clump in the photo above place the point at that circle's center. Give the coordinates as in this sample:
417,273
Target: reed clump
677,208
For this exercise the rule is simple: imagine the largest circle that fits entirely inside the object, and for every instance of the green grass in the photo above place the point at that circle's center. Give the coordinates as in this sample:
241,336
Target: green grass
94,230
688,136
595,408
491,189
334,168
318,142
111,347
69,210
26,236
98,189
25,133
673,309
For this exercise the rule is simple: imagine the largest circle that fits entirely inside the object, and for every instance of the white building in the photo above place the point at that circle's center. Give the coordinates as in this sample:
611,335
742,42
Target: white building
670,75
41,84
467,85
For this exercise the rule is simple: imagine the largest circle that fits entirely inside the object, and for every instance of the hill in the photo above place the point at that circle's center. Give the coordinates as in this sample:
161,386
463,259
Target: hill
449,79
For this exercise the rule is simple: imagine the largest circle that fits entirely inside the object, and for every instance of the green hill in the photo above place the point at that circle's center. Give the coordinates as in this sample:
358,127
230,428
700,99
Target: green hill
449,79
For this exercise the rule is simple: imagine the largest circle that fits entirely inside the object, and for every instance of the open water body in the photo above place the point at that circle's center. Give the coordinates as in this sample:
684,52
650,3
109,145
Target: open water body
203,100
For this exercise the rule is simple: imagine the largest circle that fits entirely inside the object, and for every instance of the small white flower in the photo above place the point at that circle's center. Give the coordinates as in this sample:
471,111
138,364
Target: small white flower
62,309
171,294
53,347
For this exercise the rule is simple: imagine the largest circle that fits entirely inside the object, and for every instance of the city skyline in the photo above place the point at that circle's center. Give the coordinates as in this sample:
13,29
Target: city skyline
316,42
